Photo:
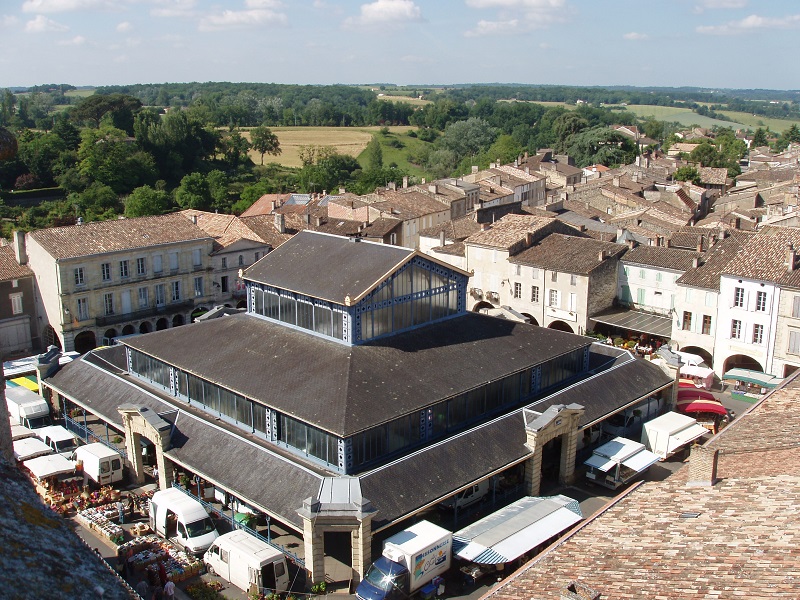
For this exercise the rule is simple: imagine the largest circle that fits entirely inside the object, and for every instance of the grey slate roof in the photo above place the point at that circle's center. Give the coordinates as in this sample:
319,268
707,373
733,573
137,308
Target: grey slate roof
350,268
662,257
347,389
568,254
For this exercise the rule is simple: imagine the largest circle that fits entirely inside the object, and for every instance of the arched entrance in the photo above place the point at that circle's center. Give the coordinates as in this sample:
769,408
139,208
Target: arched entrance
531,320
162,323
552,437
480,305
741,361
560,326
128,330
707,358
85,341
109,335
145,327
50,337
153,428
178,320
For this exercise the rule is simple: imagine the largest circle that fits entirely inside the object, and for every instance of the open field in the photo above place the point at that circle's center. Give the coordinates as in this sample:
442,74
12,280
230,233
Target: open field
406,99
80,93
684,116
346,140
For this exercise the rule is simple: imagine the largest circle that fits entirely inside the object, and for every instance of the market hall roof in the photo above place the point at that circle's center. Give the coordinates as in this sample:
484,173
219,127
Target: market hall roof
117,235
346,389
328,267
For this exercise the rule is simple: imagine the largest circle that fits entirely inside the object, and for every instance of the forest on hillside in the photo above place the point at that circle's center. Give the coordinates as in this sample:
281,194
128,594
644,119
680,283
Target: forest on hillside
149,149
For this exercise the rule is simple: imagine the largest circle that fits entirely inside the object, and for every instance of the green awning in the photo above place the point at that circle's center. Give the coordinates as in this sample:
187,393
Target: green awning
755,377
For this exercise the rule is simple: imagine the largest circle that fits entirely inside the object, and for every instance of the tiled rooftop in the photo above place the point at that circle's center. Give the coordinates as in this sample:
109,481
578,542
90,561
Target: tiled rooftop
98,237
508,231
9,267
558,252
707,275
744,541
662,257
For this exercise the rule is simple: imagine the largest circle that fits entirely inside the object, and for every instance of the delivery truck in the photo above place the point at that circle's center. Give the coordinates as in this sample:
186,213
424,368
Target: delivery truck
244,560
101,464
410,560
181,519
27,408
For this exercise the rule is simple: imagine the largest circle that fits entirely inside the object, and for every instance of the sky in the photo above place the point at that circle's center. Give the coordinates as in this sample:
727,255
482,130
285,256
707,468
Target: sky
706,43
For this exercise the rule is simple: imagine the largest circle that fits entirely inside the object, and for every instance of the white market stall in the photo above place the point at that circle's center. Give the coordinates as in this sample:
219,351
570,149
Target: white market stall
670,432
31,447
617,462
701,376
51,465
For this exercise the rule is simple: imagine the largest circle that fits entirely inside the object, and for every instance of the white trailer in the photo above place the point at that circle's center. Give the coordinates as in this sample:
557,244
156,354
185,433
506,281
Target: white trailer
667,434
27,408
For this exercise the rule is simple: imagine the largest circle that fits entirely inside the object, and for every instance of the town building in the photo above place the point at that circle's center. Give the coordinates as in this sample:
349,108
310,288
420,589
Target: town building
19,323
101,280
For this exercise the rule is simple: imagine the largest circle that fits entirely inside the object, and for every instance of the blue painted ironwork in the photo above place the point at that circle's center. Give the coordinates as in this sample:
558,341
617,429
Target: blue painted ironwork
87,435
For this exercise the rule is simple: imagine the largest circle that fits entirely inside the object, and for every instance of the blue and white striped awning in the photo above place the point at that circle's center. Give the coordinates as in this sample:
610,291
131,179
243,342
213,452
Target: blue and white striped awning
511,532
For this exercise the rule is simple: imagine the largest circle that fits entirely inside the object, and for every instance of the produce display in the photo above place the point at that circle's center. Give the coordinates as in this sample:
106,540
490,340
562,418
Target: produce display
144,553
98,518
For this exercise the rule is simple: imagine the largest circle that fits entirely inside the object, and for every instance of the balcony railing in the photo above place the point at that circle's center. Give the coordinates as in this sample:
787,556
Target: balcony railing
145,313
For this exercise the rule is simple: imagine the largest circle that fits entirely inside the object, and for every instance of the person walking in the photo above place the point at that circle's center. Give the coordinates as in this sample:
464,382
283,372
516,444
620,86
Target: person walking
169,590
121,511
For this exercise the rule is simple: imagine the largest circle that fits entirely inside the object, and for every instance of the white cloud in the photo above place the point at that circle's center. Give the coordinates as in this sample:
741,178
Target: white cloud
271,4
8,20
635,37
124,26
395,12
78,40
525,15
237,19
174,8
750,24
52,6
41,24
704,5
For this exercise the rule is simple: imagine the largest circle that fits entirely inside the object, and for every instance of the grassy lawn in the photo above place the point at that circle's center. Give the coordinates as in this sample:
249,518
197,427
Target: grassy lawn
346,140
393,154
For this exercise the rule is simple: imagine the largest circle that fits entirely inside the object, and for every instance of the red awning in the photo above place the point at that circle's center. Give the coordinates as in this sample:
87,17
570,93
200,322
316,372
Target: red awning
686,383
684,394
701,405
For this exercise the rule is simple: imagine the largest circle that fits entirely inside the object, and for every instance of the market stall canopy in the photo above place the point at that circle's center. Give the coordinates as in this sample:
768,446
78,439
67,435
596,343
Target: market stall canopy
686,383
514,530
705,375
30,448
755,377
684,394
680,430
689,359
701,405
51,465
636,320
621,451
20,432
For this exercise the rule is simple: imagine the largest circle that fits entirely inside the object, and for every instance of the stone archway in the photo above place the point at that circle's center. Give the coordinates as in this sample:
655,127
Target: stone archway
542,428
560,326
162,323
140,421
707,358
178,320
145,327
531,319
84,342
128,329
478,306
741,361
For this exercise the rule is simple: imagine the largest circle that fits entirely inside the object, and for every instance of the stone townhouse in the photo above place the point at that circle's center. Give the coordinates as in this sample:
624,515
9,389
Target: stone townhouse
101,280
19,323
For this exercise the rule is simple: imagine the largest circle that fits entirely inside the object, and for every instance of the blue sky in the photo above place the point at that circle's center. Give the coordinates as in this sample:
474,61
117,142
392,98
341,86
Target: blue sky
710,43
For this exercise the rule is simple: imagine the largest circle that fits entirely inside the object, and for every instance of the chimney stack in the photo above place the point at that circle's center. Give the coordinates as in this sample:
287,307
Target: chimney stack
405,181
702,466
441,238
791,257
19,247
194,219
579,591
699,243
307,218
601,256
280,223
695,262
433,188
317,221
272,205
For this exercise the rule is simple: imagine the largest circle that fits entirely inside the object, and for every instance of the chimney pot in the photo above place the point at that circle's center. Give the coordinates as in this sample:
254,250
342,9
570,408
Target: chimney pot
280,223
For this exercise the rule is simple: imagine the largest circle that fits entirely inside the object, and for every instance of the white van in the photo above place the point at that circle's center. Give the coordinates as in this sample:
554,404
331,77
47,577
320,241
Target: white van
183,520
244,560
468,497
100,463
60,439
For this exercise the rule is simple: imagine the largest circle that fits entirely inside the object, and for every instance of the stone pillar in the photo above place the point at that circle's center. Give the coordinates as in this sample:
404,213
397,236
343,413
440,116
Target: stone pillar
314,545
361,541
569,449
133,446
533,466
139,421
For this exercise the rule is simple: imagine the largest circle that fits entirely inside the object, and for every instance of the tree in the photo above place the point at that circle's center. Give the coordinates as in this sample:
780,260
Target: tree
120,108
505,149
145,201
193,192
98,202
106,155
566,125
600,145
687,173
467,138
264,142
218,188
39,153
233,146
760,138
374,154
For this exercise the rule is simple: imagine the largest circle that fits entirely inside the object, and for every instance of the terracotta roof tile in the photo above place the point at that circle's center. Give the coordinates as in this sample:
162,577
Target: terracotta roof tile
660,256
509,230
558,252
117,235
10,268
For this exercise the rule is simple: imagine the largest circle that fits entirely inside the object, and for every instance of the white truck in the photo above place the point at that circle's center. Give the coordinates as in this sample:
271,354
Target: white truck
670,432
410,559
27,408
60,439
473,494
245,561
100,463
183,520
